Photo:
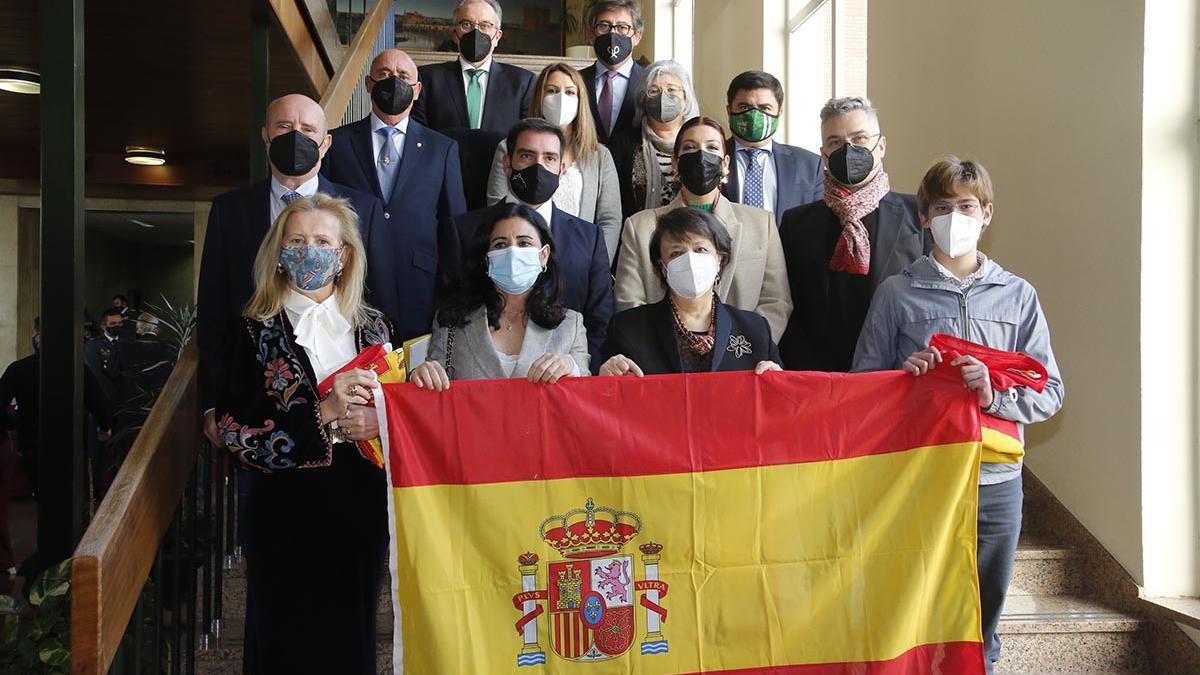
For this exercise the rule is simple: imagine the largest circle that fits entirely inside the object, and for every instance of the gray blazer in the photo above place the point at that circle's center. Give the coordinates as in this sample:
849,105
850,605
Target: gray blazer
599,203
474,356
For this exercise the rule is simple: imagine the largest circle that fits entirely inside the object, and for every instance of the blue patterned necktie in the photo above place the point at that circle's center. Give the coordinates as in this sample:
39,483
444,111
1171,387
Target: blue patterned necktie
291,196
752,191
389,162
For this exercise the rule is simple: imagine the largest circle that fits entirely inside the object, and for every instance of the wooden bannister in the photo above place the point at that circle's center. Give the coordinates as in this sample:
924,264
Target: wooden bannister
113,559
341,86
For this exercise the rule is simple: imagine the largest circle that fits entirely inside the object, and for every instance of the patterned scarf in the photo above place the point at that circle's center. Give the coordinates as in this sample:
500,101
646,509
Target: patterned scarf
697,344
853,252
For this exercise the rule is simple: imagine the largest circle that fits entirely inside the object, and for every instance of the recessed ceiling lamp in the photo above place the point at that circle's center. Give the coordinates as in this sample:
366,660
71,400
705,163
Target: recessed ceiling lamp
141,223
136,154
20,80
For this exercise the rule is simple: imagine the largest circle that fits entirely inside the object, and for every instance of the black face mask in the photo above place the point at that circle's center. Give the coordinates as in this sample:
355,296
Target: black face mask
613,48
534,184
293,153
474,46
850,164
701,171
393,95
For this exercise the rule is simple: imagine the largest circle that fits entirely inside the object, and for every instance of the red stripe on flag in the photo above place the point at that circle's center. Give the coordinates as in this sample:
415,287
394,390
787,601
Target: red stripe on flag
558,633
959,658
633,426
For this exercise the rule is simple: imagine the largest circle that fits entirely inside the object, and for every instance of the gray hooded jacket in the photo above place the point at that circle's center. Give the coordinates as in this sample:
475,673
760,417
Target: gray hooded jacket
1000,310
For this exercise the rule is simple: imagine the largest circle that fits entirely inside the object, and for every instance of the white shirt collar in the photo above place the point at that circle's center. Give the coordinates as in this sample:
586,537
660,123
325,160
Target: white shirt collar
546,210
970,278
377,124
486,65
307,189
738,146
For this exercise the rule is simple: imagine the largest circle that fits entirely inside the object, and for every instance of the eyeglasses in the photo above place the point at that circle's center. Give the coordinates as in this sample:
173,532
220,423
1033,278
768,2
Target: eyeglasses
655,90
605,27
486,27
861,140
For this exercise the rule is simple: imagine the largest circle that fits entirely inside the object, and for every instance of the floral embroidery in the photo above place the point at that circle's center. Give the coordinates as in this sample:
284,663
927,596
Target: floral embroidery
739,345
278,374
246,442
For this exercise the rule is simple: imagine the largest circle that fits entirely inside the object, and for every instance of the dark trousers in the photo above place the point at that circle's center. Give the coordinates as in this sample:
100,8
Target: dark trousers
999,528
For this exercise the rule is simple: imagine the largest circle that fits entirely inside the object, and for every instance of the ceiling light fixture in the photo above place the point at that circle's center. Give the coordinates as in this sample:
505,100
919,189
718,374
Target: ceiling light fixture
143,156
140,223
20,80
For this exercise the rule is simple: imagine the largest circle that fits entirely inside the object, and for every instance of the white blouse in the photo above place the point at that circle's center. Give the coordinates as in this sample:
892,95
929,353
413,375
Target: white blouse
326,336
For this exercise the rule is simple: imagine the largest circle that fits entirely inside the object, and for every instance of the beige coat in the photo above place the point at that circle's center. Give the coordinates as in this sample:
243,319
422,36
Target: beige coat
754,279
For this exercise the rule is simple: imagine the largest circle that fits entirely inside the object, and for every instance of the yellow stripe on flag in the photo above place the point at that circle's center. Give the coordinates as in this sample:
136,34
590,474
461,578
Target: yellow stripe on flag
842,561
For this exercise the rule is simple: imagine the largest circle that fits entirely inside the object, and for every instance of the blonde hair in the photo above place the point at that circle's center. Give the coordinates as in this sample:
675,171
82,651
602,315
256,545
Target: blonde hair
581,133
271,283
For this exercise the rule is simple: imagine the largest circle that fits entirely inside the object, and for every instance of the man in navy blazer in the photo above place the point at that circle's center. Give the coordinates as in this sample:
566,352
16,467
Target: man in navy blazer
415,172
535,155
765,173
474,91
240,218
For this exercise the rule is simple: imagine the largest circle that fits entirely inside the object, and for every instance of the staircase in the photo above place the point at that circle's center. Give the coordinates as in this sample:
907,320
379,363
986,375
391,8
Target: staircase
1070,609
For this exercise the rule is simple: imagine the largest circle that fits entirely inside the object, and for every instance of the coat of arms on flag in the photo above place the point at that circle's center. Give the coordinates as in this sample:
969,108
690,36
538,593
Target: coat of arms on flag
590,592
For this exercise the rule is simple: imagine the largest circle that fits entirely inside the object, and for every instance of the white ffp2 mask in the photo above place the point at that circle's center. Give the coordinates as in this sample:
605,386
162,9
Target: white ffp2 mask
560,109
955,233
692,274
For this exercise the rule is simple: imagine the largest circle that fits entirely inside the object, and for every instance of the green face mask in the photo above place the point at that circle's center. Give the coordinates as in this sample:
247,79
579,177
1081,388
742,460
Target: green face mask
753,125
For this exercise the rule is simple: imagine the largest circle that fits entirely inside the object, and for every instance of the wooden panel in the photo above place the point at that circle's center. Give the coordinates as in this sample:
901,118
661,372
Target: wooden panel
295,27
119,547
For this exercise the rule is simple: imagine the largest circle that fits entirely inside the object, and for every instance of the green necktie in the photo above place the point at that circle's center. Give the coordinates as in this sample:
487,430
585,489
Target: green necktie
475,98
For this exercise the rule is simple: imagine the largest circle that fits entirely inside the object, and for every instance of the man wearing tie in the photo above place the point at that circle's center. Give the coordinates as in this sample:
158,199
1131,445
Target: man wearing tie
474,91
533,166
415,172
297,140
613,80
766,174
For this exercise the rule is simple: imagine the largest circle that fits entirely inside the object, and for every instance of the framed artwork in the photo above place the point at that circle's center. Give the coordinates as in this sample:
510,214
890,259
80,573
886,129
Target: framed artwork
531,27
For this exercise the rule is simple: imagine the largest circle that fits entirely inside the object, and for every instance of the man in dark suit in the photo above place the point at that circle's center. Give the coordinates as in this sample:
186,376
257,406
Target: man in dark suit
415,172
839,249
766,173
533,165
298,141
474,91
615,79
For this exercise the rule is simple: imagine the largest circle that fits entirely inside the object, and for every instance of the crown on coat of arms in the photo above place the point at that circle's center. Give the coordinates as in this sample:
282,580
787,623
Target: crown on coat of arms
590,532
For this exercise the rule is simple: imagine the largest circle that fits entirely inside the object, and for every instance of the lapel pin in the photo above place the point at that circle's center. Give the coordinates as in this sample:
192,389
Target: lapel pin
418,144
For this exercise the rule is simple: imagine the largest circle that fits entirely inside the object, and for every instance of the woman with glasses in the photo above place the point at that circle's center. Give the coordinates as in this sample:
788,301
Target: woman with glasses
507,317
752,278
588,187
314,509
839,249
645,161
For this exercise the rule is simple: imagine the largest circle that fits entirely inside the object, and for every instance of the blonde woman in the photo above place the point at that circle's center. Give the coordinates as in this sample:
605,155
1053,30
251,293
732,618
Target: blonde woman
588,188
313,508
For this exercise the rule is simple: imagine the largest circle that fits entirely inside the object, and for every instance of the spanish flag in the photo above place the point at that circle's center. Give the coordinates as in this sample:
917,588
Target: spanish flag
725,522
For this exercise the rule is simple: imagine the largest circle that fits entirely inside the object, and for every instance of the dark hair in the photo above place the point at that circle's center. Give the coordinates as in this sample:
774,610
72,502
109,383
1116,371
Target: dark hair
677,223
535,125
111,311
754,79
120,297
601,6
544,305
695,122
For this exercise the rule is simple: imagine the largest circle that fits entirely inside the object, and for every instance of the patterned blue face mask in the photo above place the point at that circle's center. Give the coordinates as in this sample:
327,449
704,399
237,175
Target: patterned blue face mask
310,267
515,269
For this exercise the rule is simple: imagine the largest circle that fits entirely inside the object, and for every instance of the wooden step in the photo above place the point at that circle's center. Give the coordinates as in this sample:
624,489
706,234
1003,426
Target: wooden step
1069,634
